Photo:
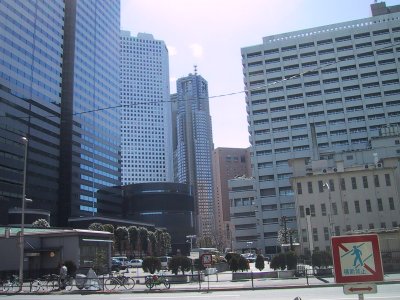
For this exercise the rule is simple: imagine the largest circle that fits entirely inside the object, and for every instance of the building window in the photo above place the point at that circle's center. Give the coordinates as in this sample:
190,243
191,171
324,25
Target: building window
357,206
301,207
394,224
391,203
309,186
365,182
376,180
348,228
368,204
371,226
315,234
312,210
380,204
337,230
326,233
323,209
383,225
299,189
304,235
331,185
320,186
353,183
334,209
342,184
345,208
359,226
387,179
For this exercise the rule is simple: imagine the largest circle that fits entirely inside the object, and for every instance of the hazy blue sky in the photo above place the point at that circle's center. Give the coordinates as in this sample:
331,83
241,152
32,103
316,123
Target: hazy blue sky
210,34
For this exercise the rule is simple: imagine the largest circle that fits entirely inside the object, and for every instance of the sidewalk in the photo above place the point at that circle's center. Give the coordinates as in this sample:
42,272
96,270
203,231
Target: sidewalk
224,283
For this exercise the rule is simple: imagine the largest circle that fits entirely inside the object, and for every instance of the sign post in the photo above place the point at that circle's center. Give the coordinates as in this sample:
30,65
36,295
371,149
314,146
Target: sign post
357,263
206,260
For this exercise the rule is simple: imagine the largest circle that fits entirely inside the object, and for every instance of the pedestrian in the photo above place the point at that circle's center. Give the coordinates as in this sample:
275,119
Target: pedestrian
63,276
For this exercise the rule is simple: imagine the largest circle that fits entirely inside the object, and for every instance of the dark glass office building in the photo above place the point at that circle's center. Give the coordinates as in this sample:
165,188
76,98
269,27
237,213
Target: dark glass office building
31,45
90,145
164,204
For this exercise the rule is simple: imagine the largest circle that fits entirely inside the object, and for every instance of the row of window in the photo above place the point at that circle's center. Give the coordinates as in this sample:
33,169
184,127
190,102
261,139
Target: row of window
354,183
337,229
311,210
327,42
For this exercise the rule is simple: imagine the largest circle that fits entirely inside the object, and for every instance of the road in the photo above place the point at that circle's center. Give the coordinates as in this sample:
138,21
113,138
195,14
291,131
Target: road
385,292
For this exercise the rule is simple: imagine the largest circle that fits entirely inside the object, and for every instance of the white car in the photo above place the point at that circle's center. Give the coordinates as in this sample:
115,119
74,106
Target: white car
135,263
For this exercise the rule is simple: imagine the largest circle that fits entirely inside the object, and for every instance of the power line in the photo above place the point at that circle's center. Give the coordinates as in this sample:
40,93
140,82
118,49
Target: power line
295,76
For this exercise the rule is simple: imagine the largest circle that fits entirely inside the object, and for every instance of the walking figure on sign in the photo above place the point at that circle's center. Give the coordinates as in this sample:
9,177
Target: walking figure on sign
357,255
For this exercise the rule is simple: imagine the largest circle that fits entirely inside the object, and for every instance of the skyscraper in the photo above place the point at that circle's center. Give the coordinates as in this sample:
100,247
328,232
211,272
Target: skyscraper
31,47
90,128
342,79
228,163
195,146
146,126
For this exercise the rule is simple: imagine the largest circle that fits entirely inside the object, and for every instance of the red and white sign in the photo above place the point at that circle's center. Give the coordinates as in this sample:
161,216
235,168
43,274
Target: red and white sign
357,258
206,260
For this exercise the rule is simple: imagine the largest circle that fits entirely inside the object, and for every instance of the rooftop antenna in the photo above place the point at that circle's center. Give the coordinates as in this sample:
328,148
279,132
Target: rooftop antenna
195,69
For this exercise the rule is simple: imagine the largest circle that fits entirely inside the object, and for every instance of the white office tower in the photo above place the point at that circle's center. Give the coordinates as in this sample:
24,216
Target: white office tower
146,130
195,148
343,78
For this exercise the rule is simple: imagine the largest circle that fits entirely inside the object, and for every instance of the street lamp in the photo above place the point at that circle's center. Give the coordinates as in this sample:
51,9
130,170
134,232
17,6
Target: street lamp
21,234
191,237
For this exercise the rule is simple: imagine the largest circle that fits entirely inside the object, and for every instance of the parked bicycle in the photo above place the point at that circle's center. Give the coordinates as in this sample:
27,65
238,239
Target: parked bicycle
119,280
46,283
154,280
10,285
52,282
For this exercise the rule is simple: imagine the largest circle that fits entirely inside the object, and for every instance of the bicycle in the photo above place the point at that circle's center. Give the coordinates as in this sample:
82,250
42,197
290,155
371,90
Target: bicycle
153,280
69,283
11,284
120,280
52,282
38,284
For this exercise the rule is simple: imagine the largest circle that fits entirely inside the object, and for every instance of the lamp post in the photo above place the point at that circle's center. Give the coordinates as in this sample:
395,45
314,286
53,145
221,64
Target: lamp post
190,237
330,216
21,234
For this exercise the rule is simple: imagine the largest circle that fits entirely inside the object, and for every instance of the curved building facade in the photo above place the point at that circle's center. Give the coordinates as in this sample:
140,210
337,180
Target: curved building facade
166,205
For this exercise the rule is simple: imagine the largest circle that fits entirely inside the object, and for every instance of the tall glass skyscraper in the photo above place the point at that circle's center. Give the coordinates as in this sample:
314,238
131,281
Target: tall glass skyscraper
195,147
31,47
90,145
146,126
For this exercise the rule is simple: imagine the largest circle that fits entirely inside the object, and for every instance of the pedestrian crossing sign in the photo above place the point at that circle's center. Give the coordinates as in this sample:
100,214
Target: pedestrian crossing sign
357,258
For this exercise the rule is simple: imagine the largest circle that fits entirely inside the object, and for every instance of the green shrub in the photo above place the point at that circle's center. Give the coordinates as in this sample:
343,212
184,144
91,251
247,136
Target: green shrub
71,267
243,264
151,264
291,260
321,259
278,262
260,265
179,262
234,263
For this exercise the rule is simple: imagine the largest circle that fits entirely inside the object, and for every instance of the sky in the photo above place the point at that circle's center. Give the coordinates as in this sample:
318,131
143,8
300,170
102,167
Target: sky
211,33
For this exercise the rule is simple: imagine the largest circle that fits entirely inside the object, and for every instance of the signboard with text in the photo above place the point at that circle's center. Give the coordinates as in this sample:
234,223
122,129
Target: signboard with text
206,260
357,258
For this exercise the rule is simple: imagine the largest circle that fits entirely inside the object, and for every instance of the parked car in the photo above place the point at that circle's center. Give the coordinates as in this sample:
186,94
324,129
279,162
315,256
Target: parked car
135,263
164,262
116,265
122,259
251,257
